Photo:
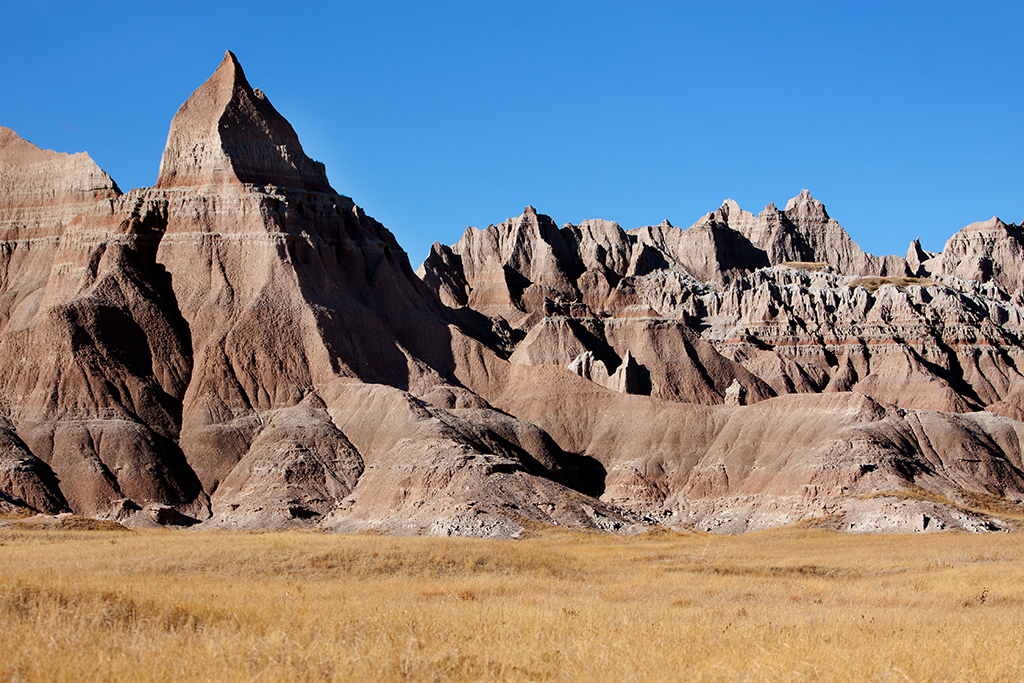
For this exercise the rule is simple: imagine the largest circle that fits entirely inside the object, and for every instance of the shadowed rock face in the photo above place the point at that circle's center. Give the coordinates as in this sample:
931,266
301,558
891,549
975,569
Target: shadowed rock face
96,358
241,347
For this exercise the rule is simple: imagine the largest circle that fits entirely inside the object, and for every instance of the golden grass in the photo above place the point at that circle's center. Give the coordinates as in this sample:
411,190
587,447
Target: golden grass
813,266
968,501
15,513
873,283
797,604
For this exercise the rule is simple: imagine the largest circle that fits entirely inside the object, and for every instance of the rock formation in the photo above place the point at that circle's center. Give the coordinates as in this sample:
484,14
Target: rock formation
986,252
242,347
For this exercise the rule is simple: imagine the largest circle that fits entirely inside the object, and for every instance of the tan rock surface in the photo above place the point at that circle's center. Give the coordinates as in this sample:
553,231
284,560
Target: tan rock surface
991,251
295,296
805,326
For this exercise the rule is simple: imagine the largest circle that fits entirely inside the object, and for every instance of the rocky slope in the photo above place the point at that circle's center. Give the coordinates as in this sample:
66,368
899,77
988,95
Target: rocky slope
873,384
241,346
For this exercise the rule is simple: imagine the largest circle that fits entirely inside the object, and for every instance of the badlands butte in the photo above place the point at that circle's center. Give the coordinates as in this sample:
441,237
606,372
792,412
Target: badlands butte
240,346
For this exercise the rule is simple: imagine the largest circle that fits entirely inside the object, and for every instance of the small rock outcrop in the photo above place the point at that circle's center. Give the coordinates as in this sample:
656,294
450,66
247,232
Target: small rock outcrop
736,394
628,378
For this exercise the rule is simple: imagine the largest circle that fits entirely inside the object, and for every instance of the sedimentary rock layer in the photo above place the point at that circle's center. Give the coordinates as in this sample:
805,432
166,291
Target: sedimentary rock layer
242,347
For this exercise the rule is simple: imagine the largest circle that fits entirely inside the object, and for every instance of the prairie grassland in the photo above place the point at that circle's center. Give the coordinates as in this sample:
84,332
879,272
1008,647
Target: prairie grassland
104,605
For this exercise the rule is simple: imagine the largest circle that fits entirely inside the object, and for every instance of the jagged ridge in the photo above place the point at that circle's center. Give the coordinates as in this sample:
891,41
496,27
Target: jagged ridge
240,346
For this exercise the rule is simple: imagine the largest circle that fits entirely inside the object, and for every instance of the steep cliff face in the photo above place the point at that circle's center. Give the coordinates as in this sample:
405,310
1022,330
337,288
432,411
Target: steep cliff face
95,357
813,322
912,343
227,132
242,347
294,297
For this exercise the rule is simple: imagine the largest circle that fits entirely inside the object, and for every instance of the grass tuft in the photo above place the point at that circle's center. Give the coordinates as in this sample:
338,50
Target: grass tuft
969,501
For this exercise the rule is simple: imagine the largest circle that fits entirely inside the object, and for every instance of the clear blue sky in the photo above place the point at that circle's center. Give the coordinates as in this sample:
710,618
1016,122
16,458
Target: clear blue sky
905,118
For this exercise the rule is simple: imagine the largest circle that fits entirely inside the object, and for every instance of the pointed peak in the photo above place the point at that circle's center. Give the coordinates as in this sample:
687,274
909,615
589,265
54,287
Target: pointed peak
226,132
804,206
226,77
531,216
802,199
231,65
728,213
703,220
915,253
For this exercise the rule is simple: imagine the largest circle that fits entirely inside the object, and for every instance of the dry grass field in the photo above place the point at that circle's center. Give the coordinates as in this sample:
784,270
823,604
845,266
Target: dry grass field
872,284
813,266
79,604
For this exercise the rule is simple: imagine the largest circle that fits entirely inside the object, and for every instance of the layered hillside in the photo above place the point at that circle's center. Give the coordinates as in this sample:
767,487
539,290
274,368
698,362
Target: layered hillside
240,346
864,376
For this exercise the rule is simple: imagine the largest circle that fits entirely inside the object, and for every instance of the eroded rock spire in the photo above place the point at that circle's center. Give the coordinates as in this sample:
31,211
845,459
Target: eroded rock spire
228,132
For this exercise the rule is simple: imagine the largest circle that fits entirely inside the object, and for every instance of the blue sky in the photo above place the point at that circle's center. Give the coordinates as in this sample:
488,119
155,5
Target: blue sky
906,119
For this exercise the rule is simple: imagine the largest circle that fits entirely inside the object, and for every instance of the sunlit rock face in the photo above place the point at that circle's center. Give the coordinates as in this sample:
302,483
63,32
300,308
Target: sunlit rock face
242,347
737,313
